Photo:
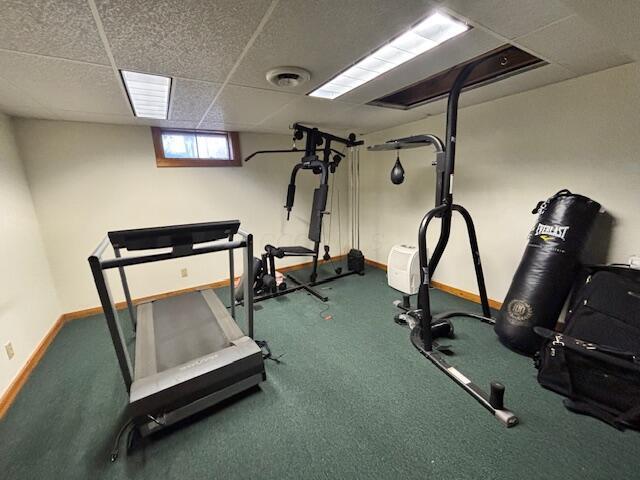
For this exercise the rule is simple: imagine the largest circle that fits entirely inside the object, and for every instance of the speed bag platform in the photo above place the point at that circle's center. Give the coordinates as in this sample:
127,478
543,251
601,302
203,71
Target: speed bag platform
547,270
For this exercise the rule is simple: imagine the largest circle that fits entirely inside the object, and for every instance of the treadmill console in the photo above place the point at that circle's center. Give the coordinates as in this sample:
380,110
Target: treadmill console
173,235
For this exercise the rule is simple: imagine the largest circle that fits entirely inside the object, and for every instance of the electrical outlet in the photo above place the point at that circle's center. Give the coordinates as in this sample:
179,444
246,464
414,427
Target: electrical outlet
9,349
184,273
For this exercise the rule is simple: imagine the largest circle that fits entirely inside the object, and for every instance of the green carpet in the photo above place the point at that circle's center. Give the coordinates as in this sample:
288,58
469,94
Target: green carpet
353,399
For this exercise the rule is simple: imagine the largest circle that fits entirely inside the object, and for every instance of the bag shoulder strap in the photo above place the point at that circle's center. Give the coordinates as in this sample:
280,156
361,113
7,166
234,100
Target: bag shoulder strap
561,338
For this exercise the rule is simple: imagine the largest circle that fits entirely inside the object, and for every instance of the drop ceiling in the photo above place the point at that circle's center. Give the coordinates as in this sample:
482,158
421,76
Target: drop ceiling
59,59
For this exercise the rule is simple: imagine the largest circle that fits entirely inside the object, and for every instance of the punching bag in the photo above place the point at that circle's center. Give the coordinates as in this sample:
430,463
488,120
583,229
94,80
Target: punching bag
547,270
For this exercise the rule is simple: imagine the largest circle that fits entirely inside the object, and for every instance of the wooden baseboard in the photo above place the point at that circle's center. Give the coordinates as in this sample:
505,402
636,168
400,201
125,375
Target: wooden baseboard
446,288
87,312
465,294
8,397
159,296
375,264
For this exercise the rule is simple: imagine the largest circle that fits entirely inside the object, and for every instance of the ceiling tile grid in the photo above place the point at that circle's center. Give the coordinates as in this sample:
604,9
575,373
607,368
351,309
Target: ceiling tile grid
53,63
186,38
576,45
621,24
325,36
510,18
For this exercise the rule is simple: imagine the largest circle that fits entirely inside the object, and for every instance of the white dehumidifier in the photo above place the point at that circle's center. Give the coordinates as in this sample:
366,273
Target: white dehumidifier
403,269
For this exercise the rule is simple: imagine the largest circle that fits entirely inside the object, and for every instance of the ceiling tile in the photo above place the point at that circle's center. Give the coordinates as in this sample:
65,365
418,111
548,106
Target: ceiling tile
367,118
536,78
443,57
576,45
191,98
311,111
188,38
246,105
154,122
65,85
621,24
59,28
238,127
95,117
15,101
510,18
325,36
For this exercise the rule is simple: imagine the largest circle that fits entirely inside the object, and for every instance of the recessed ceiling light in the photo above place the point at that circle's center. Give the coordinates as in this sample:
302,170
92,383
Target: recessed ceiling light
148,94
424,36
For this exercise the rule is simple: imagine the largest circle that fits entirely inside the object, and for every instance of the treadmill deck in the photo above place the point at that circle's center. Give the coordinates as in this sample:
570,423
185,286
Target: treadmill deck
189,342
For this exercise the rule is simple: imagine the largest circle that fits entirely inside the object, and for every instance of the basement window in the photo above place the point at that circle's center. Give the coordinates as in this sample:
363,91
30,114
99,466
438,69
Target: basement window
195,148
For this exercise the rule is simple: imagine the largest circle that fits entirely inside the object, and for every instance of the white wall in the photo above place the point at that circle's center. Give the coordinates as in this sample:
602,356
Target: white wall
582,134
28,300
87,179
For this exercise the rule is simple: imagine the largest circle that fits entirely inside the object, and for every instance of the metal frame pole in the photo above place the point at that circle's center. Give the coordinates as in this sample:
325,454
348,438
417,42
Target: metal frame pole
127,293
248,287
111,314
232,281
424,301
452,127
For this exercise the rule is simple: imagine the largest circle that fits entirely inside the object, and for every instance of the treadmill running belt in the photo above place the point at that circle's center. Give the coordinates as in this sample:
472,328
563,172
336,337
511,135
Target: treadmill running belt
185,329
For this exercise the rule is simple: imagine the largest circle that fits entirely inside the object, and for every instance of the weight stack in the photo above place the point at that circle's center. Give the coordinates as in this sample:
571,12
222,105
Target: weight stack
547,270
355,261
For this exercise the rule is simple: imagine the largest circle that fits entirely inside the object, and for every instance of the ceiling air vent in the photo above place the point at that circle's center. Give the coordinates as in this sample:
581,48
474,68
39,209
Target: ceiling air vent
288,77
500,63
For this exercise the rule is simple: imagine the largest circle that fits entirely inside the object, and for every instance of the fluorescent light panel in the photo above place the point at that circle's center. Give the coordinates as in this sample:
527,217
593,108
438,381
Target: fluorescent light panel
149,94
427,34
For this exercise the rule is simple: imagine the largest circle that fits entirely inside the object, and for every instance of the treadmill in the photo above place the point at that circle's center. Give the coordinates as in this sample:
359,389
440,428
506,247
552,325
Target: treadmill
190,353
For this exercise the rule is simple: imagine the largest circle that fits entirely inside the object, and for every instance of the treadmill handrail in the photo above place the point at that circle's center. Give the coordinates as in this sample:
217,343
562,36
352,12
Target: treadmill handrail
157,257
102,246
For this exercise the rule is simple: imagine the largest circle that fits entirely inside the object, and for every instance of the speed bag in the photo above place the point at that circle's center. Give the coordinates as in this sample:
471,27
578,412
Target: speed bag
547,270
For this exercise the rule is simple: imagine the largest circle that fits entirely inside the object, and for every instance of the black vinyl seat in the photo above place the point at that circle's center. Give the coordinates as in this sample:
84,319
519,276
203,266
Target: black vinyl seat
292,251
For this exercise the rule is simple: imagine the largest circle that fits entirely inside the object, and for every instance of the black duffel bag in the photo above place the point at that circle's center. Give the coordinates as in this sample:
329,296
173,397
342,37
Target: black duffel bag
547,271
595,362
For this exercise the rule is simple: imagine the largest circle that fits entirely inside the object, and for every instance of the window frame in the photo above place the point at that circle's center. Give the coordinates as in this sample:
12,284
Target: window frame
233,141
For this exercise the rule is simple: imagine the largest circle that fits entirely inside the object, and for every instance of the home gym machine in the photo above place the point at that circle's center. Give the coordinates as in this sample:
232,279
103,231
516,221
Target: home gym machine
321,159
424,325
190,351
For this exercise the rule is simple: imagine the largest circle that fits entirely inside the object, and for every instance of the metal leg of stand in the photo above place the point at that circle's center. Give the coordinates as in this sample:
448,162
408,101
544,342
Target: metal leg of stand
504,416
308,288
445,232
475,252
424,302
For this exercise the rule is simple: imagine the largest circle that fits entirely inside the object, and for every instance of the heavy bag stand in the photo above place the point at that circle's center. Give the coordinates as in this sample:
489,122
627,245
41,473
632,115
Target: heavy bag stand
424,325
